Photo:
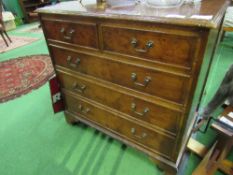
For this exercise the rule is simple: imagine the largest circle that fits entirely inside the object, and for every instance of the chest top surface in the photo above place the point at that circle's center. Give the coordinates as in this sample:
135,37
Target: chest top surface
207,13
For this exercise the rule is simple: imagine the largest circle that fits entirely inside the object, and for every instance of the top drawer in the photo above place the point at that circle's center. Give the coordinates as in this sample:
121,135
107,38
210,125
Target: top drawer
82,34
150,45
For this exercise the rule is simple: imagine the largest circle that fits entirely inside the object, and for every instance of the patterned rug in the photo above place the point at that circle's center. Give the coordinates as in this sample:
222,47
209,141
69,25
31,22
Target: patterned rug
34,29
19,76
17,41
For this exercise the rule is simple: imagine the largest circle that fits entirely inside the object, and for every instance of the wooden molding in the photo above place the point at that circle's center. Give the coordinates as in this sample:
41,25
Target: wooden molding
197,147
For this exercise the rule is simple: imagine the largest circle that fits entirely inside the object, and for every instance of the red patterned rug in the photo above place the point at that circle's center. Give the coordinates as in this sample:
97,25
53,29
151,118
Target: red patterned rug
19,76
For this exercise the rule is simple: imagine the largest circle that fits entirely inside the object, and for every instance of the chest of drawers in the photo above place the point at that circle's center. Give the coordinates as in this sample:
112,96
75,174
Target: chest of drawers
134,76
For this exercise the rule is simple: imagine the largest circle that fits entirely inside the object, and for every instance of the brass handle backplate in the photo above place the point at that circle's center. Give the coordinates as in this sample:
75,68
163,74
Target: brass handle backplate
142,114
148,45
83,110
147,79
67,34
72,63
79,88
134,133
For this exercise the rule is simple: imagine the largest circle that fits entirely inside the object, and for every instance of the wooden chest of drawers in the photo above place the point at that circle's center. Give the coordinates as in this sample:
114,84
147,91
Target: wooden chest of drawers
134,76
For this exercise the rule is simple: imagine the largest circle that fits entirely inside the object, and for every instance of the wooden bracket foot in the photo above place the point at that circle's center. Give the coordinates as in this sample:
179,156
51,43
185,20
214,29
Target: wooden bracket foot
167,170
71,120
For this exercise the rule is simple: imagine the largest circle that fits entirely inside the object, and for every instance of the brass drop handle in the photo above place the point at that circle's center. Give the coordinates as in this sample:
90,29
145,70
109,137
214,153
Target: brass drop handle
83,110
134,133
71,63
67,34
79,88
148,45
145,111
147,79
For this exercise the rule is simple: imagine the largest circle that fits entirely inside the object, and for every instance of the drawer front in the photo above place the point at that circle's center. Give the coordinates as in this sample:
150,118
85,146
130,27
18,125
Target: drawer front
82,34
165,85
161,117
154,46
120,126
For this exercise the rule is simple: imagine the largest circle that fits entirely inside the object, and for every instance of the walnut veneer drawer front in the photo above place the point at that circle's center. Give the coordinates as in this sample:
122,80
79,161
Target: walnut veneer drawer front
120,126
137,74
152,45
83,34
145,80
162,118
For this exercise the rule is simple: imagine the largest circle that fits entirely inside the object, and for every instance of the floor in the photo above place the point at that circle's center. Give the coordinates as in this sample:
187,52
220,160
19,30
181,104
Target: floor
35,141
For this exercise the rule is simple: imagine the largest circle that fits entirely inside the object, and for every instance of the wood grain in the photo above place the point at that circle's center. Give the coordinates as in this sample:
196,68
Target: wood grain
134,76
214,8
115,122
163,119
72,32
109,70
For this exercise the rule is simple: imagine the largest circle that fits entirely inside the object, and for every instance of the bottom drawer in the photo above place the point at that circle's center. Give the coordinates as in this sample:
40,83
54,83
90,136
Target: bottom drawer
113,122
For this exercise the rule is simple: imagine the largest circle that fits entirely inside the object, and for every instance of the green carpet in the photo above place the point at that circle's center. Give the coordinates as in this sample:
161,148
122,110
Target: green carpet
34,141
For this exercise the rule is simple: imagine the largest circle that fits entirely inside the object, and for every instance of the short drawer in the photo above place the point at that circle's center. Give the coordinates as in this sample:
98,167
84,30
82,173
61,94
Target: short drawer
82,34
163,118
150,45
162,84
138,134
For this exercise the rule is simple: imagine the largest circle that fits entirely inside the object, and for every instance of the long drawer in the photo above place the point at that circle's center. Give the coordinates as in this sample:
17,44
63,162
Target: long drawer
150,45
82,34
120,99
161,84
125,128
